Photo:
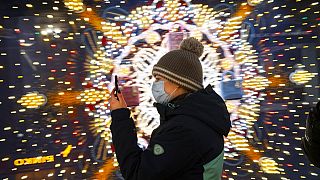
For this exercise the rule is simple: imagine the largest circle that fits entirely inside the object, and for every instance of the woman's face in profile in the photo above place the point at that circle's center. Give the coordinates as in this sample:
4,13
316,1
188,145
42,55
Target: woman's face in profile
169,87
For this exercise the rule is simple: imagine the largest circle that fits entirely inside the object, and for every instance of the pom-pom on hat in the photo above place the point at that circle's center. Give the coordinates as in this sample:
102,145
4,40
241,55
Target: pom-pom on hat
182,66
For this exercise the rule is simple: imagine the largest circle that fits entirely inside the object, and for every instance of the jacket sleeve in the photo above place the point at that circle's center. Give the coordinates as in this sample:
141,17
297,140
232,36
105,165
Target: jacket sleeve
166,155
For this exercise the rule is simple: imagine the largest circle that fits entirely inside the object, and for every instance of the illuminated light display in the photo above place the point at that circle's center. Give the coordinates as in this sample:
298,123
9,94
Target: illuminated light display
145,111
233,24
254,2
152,37
32,100
76,5
268,165
110,29
36,160
67,151
76,47
106,170
99,63
64,99
259,83
301,76
92,96
278,80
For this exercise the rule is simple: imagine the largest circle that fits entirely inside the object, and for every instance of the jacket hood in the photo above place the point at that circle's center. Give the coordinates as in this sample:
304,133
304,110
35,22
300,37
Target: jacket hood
205,105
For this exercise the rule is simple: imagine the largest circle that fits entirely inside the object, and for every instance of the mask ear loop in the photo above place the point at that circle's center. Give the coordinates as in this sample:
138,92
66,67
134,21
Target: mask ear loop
170,95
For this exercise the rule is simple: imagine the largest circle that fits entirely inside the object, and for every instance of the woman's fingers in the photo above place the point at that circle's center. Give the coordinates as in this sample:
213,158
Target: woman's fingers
112,93
116,103
121,99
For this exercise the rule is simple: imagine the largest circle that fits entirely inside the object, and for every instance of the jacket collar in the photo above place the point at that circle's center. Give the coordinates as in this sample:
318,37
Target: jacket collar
199,105
175,103
164,109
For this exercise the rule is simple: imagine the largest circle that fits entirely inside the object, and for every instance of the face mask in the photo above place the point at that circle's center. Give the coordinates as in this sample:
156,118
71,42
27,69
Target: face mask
159,94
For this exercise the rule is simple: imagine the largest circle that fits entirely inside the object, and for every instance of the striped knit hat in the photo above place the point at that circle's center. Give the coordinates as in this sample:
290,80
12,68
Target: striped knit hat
182,66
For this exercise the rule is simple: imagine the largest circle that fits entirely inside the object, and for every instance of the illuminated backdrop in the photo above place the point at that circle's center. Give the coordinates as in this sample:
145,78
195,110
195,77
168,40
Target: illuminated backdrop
58,59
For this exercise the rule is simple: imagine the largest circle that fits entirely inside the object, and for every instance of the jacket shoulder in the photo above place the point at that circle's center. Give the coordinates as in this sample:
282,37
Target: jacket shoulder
209,143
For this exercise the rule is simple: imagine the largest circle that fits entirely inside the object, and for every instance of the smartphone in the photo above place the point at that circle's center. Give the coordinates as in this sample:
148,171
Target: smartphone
116,85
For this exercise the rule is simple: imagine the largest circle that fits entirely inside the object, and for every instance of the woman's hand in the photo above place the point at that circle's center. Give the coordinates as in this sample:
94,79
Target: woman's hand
115,103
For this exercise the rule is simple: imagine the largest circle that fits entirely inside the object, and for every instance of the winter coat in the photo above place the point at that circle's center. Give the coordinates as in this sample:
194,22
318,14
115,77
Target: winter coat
311,140
187,145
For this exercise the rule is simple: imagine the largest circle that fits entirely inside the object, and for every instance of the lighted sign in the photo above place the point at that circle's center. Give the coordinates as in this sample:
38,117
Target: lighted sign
34,160
41,159
66,152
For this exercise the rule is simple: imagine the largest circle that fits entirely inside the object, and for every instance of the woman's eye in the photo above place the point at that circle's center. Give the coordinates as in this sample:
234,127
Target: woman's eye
157,78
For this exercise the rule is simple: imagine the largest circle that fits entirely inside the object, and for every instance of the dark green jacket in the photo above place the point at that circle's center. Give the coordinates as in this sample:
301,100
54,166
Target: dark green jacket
188,144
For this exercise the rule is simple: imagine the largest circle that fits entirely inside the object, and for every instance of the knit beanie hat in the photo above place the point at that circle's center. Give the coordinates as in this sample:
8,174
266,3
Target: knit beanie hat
182,66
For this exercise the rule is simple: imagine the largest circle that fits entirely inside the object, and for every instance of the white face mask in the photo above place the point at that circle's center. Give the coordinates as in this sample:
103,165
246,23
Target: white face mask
159,93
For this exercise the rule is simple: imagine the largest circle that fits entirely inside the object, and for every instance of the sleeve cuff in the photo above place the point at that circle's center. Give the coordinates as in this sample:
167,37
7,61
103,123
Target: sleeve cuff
120,114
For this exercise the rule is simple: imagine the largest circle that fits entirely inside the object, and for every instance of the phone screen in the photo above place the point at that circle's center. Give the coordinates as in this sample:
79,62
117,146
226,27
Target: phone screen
116,86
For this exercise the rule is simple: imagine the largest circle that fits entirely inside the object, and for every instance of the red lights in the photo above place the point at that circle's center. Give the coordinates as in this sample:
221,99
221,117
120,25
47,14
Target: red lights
17,30
53,45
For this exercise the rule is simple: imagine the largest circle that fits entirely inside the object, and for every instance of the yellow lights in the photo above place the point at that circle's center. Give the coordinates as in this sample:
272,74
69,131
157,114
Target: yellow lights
277,81
110,29
254,2
268,165
5,159
142,16
100,127
231,106
301,76
92,96
152,37
124,70
67,151
202,14
64,99
32,100
241,143
75,5
35,160
50,30
29,5
196,34
144,22
227,63
258,83
249,112
234,23
100,64
172,7
106,170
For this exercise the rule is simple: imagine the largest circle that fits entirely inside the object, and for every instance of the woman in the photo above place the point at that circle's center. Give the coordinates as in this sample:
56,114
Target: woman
189,142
